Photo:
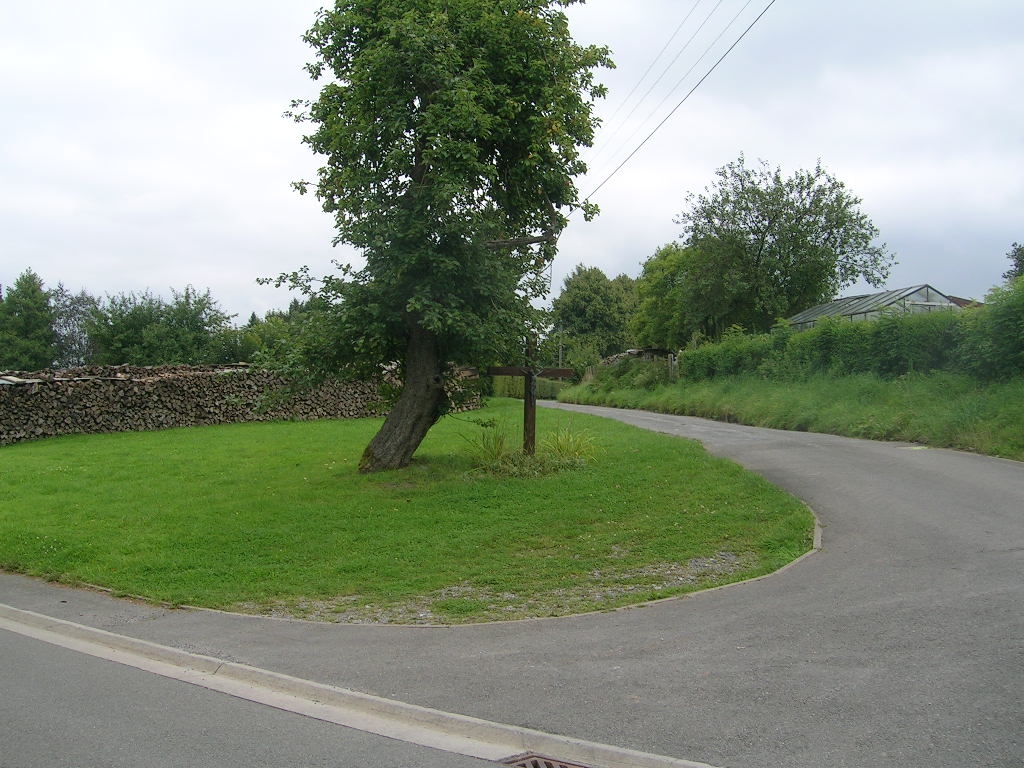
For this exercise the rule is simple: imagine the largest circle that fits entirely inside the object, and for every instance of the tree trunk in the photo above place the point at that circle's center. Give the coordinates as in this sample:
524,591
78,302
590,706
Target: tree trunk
417,409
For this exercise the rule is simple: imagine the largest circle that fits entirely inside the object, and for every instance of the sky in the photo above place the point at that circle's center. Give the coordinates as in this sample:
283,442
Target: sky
143,145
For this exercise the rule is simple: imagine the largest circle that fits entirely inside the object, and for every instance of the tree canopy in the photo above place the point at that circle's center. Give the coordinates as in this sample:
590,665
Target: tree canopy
72,313
663,317
43,328
143,329
1016,257
758,246
591,315
450,132
26,325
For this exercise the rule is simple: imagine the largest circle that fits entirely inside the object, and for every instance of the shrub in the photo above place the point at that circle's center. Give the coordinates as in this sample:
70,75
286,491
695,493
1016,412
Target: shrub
737,353
891,346
986,343
915,343
495,452
992,338
1006,322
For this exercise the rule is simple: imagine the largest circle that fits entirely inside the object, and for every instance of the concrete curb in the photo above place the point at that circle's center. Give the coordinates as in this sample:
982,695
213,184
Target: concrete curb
386,717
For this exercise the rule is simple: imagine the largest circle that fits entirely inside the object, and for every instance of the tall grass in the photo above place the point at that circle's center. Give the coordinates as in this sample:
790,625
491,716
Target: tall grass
939,409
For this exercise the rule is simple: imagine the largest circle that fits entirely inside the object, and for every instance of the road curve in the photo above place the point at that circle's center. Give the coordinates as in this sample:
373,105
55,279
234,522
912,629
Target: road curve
904,640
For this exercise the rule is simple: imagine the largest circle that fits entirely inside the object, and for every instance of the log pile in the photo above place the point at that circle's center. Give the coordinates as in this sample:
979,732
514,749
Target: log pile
126,398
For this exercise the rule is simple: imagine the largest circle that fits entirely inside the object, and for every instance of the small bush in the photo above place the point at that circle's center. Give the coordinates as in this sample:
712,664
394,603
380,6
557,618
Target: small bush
569,448
618,375
496,453
492,446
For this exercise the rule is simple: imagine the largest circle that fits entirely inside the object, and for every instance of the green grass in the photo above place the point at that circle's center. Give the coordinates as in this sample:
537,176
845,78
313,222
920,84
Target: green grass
939,409
274,518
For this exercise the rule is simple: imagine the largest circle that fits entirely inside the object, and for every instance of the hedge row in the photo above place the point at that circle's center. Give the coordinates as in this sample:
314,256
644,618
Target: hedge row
512,386
986,342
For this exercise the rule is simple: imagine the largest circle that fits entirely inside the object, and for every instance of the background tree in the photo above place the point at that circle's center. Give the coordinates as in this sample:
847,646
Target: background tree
758,246
71,316
450,131
123,329
592,313
26,325
194,321
143,329
1016,257
661,318
274,339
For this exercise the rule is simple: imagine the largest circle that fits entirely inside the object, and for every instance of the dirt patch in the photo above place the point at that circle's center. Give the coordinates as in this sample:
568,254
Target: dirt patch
467,603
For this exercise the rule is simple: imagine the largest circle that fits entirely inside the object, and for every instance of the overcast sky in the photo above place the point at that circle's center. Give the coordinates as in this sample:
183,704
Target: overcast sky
142,144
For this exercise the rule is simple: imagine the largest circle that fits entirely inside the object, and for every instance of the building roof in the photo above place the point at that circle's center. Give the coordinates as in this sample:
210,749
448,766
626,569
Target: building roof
916,297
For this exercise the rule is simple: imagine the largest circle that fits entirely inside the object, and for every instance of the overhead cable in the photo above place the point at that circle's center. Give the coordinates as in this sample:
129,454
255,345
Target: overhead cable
679,84
622,104
682,101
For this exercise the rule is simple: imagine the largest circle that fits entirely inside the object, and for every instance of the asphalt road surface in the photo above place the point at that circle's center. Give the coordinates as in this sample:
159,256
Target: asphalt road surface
62,709
899,643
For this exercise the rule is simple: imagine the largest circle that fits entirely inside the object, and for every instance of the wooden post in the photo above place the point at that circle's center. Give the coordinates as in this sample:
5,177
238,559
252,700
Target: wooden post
530,375
530,399
530,413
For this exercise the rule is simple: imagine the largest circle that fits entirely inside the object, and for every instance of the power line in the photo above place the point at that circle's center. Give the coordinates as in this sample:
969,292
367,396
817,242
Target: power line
693,66
625,101
682,101
669,67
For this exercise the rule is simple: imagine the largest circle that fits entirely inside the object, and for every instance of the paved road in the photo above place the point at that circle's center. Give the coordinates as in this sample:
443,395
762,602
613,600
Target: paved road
900,643
61,709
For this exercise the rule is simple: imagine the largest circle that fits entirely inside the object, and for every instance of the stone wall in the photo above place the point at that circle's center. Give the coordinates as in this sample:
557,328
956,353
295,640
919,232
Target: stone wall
129,398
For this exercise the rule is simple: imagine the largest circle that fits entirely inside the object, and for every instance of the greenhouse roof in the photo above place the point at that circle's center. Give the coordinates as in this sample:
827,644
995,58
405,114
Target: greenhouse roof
917,297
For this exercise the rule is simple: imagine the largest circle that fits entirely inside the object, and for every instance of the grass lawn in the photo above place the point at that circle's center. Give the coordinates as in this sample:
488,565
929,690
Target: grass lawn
273,518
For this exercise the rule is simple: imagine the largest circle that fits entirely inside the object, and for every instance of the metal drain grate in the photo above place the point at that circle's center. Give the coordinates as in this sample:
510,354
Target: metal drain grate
530,760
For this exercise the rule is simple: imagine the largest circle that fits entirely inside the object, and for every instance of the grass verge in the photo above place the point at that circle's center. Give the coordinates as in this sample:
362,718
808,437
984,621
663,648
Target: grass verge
274,519
943,410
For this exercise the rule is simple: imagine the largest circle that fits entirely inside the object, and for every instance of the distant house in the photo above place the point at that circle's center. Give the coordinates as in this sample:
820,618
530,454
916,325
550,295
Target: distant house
918,298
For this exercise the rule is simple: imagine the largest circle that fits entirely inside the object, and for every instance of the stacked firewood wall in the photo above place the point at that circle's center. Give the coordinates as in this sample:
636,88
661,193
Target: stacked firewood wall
124,398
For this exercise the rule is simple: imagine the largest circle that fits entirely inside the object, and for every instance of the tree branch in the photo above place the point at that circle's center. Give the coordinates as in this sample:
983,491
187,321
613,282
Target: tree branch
550,235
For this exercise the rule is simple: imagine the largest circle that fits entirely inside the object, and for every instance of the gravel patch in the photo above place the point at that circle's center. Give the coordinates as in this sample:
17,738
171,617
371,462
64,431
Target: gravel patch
467,603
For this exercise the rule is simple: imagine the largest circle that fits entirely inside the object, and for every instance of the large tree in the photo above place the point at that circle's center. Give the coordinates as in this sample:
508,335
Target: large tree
760,246
450,131
26,325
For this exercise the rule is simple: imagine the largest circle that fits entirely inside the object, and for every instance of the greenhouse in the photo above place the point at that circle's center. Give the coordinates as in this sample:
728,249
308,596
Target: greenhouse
916,299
